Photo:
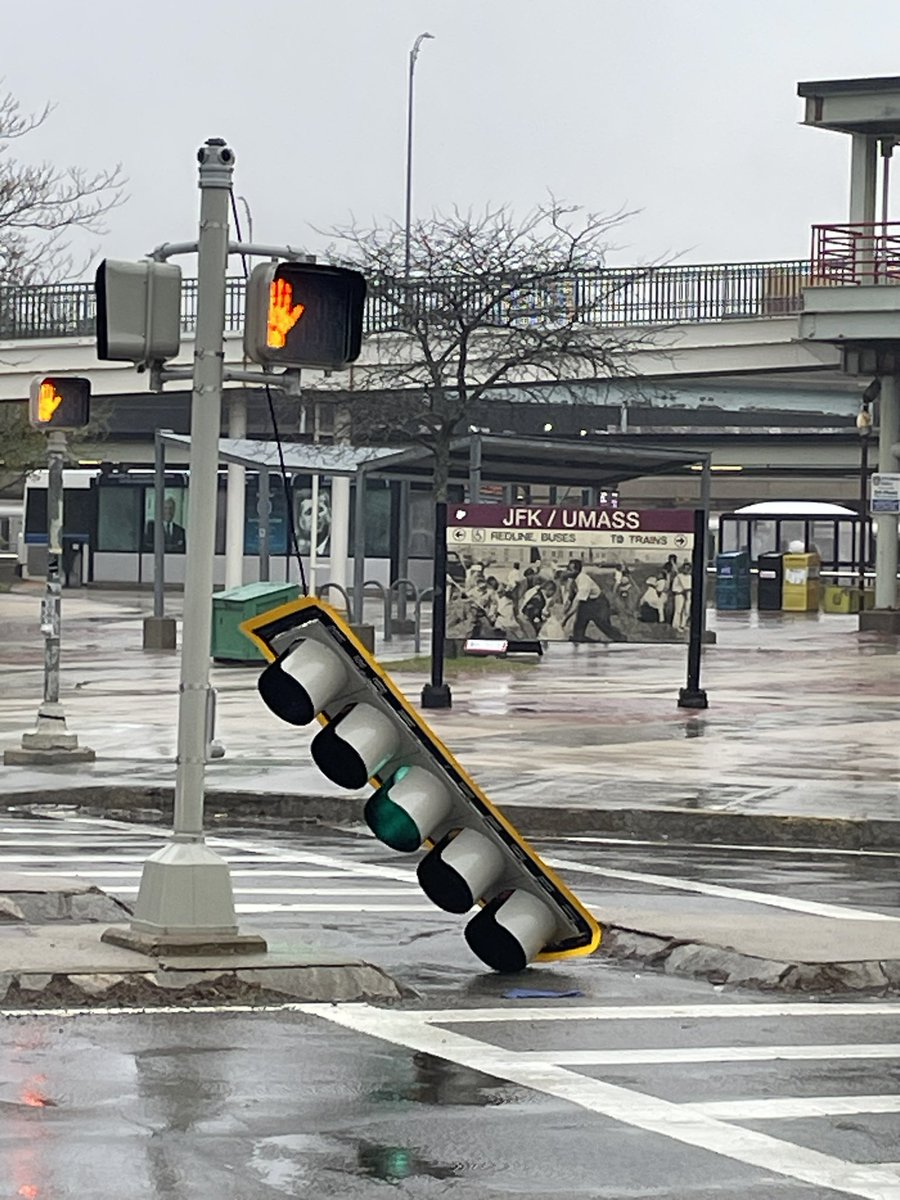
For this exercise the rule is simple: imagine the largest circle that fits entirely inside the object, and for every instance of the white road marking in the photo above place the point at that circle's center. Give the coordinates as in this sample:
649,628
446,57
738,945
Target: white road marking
654,1012
358,907
790,1108
378,889
812,907
675,1121
748,848
704,1054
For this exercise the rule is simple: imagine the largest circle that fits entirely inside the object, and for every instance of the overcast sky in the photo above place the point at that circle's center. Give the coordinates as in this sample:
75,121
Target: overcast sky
685,110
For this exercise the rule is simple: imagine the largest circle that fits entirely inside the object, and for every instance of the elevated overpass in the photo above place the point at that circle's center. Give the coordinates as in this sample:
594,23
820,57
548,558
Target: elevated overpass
688,321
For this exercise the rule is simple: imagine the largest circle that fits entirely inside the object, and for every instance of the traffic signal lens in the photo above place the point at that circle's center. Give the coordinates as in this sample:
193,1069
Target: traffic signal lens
49,401
390,823
283,313
460,869
299,685
356,746
510,930
408,808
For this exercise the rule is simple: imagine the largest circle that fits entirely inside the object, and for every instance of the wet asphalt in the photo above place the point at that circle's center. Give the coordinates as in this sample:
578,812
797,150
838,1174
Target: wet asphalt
637,1085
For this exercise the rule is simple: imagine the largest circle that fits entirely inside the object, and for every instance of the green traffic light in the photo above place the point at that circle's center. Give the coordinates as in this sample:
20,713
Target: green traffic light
389,822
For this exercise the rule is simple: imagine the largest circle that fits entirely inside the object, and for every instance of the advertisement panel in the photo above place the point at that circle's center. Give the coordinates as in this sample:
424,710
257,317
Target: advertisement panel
605,574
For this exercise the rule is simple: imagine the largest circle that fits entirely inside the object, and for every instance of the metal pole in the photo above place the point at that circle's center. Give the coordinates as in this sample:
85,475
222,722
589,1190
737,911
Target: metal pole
159,532
693,695
50,741
56,450
185,897
863,512
403,548
234,503
886,542
437,693
313,535
359,543
475,469
263,505
413,55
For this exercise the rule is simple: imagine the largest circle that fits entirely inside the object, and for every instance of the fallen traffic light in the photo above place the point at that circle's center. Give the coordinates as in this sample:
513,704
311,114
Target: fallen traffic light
304,315
370,734
59,402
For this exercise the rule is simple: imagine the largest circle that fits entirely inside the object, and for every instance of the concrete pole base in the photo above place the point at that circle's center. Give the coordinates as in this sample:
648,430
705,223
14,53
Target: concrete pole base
880,620
160,945
33,756
159,633
185,902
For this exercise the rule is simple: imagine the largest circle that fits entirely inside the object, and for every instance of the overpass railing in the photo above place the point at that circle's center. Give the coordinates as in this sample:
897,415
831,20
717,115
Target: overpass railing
611,296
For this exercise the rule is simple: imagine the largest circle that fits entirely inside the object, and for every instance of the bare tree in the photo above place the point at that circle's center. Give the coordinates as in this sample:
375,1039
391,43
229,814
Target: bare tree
490,302
41,204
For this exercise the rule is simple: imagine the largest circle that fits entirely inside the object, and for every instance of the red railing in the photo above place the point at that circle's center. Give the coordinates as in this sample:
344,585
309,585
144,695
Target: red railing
865,252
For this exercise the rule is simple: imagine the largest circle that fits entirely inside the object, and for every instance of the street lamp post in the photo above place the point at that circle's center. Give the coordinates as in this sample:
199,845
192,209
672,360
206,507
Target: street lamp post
413,55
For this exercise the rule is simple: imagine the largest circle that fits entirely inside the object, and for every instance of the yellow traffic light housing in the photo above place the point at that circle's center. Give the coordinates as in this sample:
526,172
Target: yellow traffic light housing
304,315
59,402
422,797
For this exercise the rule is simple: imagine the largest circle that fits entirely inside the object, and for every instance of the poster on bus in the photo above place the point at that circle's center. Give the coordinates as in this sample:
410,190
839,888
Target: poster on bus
605,574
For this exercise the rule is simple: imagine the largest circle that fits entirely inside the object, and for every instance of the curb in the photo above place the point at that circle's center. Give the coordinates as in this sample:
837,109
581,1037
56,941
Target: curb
730,968
153,803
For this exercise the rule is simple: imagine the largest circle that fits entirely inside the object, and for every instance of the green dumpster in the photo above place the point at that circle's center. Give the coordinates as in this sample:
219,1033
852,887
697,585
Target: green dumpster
239,604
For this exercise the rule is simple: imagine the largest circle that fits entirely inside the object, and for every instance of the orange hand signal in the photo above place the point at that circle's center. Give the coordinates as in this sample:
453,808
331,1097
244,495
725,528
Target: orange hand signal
283,313
49,401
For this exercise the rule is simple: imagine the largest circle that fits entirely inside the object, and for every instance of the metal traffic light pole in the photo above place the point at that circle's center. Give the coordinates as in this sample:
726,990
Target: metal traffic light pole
185,898
51,741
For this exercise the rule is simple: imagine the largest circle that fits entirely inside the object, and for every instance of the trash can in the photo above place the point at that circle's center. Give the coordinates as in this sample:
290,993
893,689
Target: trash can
770,581
239,604
733,581
801,588
840,598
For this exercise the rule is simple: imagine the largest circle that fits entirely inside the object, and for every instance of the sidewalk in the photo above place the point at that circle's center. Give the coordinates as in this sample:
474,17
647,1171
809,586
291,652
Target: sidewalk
800,746
801,739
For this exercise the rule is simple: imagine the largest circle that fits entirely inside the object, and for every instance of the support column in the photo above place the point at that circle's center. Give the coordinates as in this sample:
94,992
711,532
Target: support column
263,512
886,544
159,630
234,504
863,176
340,510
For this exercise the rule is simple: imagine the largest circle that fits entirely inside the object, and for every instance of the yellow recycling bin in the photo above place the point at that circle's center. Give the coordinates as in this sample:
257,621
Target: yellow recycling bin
801,588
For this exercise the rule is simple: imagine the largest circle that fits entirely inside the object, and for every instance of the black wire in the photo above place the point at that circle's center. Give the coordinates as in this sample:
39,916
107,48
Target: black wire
294,545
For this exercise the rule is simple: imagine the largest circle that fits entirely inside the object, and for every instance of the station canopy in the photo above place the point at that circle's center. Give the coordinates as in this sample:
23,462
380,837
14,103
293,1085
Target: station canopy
498,459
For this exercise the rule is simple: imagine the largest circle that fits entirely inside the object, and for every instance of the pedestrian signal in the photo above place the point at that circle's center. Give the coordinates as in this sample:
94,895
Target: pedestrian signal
59,402
421,796
304,315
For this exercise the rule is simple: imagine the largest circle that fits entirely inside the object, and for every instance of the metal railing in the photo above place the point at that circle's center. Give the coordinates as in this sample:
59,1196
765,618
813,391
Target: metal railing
863,252
613,296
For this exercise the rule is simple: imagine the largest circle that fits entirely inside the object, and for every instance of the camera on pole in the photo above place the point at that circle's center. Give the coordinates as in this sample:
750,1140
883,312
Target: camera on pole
304,315
370,734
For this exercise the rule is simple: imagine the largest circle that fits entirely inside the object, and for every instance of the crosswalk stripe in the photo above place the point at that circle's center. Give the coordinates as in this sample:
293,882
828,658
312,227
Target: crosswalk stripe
656,1012
703,1054
814,908
359,907
787,1108
377,890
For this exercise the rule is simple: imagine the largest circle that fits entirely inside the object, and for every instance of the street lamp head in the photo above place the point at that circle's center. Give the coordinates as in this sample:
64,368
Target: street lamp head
414,53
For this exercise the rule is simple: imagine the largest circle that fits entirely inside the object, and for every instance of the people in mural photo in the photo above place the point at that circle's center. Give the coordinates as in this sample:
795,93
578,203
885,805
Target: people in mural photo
629,595
304,520
589,607
174,540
